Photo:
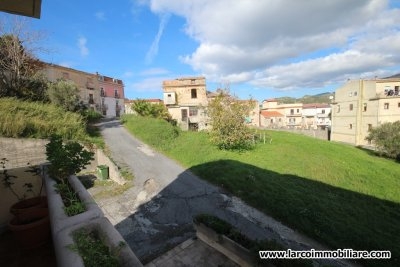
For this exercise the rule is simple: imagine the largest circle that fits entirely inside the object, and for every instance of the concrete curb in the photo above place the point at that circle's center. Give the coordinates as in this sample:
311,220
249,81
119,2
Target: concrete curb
59,220
225,245
66,257
63,226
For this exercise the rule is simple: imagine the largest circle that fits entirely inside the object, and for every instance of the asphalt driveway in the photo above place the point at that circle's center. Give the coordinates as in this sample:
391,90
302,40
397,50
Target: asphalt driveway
156,214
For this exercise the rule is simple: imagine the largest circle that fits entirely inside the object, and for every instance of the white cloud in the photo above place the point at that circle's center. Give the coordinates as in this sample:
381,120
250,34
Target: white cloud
153,84
153,51
82,41
100,15
288,44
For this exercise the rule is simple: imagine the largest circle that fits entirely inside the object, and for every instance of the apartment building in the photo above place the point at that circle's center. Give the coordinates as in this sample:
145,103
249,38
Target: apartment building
316,116
274,115
186,99
86,82
360,105
112,96
100,93
297,115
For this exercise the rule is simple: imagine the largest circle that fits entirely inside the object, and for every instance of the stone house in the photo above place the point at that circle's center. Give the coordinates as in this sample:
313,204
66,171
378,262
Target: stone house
186,99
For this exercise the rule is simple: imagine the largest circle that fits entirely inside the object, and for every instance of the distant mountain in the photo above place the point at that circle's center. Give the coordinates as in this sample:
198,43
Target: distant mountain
307,99
393,76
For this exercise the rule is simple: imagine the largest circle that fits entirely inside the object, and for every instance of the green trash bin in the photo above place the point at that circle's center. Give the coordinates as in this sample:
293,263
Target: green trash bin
102,171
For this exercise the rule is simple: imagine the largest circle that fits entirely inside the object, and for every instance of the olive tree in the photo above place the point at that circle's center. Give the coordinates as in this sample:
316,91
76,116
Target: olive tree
64,94
386,137
227,118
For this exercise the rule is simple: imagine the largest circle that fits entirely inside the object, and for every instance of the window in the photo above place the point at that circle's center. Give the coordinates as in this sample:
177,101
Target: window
291,111
365,107
102,93
386,106
323,111
280,120
350,126
369,127
351,106
272,120
193,111
338,108
398,105
193,93
355,93
184,114
116,93
91,100
298,110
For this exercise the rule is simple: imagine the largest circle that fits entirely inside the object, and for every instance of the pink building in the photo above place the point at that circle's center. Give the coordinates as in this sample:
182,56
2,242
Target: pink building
112,96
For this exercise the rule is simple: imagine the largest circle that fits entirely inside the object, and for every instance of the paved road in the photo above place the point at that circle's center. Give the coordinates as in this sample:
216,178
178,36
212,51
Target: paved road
156,213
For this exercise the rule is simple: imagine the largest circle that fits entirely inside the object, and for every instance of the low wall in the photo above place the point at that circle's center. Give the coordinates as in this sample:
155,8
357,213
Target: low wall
319,134
19,152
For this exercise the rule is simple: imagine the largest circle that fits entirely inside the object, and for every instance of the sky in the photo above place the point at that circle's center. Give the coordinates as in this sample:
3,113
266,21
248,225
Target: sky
256,48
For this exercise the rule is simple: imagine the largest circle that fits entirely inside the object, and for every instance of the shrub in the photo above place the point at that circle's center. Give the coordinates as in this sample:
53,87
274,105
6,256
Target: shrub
66,158
155,132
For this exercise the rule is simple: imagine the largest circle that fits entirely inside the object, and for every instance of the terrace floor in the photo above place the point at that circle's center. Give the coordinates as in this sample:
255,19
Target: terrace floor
12,256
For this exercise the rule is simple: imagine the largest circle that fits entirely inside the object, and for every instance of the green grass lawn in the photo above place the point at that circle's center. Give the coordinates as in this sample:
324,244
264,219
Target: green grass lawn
341,195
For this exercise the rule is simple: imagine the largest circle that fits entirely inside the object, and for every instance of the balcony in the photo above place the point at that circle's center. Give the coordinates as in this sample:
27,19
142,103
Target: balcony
117,95
387,94
90,86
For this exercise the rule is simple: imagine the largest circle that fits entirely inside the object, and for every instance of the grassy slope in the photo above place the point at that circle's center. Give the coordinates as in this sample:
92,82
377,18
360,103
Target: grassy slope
338,194
21,119
32,119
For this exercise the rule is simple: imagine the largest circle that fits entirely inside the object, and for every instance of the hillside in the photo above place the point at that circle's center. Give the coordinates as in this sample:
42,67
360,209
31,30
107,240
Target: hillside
307,99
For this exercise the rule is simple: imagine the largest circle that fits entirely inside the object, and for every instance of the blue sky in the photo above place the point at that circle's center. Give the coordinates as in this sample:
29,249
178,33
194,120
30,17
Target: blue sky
258,48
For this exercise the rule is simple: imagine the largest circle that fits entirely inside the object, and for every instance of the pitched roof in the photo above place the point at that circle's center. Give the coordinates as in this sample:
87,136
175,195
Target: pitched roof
270,114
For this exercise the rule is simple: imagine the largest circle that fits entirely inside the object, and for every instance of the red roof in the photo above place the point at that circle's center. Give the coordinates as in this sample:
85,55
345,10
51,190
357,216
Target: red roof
270,114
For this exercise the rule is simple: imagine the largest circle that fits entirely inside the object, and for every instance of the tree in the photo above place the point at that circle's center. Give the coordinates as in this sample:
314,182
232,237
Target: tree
386,138
64,94
227,116
18,66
